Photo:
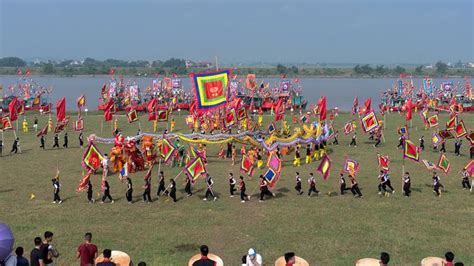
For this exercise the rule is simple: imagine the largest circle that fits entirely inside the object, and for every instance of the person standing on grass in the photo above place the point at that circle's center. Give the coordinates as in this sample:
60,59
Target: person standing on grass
312,185
335,141
89,192
36,257
147,190
35,124
204,260
381,178
187,188
1,147
298,184
355,187
87,252
436,184
443,147
234,154
406,184
387,183
129,193
56,141
81,139
354,140
106,187
107,254
264,188
232,183
243,188
66,140
209,191
297,161
422,143
161,184
401,140
15,146
308,154
57,187
42,142
48,252
465,180
173,190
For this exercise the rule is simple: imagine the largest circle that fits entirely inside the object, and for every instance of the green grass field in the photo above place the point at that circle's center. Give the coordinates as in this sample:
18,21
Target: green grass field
325,230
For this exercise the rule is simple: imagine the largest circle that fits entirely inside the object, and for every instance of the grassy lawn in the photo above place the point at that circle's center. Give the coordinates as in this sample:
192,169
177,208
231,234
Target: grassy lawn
325,230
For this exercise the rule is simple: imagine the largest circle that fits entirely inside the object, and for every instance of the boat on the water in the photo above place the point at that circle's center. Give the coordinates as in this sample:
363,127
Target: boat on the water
30,95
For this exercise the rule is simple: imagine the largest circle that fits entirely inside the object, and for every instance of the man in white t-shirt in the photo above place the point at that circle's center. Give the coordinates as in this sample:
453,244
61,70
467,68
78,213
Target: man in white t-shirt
253,259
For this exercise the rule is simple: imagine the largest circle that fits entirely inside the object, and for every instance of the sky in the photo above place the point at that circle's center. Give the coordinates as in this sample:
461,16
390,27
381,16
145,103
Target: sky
272,31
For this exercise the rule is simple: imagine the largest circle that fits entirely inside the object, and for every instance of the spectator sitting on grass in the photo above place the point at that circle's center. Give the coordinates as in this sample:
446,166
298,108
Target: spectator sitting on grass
384,259
106,261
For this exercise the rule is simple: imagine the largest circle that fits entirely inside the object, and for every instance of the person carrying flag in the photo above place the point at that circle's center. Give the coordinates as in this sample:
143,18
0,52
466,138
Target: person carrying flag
312,185
259,159
465,180
172,193
336,135
209,192
232,183
187,188
161,184
381,178
354,140
65,140
422,143
146,191
89,192
106,188
437,184
264,189
406,184
81,139
56,141
15,146
42,142
243,188
57,187
129,193
386,182
342,184
298,184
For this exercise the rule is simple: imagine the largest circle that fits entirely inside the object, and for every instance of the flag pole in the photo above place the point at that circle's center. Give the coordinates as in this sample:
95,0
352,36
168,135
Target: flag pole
174,180
403,171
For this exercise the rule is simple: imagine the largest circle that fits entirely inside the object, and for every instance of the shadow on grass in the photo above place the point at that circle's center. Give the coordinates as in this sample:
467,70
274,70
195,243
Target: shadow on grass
183,248
6,190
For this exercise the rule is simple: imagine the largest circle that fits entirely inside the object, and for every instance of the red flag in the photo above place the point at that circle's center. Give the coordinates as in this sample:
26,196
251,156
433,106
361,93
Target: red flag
28,72
112,71
355,104
278,111
322,108
18,72
408,110
108,110
151,109
368,103
12,108
61,109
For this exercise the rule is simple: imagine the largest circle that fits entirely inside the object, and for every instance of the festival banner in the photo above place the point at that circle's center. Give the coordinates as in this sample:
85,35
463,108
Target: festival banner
230,118
81,101
61,125
452,122
6,123
436,139
433,121
132,116
162,116
369,122
460,130
61,109
92,158
403,130
325,167
445,134
384,162
242,113
84,183
429,165
79,124
13,109
272,177
470,137
167,150
411,151
274,162
348,128
469,168
351,167
428,86
196,168
251,81
211,89
443,163
246,166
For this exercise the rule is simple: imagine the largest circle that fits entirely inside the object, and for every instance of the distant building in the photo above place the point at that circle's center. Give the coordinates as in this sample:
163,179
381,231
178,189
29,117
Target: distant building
190,63
429,66
470,65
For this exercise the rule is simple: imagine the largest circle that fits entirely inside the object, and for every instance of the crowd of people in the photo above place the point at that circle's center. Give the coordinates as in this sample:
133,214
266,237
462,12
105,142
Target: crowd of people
44,253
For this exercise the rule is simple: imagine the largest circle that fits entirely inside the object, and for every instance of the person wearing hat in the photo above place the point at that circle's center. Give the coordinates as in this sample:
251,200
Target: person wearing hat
253,259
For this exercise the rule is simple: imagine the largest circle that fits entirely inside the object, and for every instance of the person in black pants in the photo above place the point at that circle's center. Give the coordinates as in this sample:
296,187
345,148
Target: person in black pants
187,188
243,188
129,193
264,188
422,143
56,141
229,150
107,192
354,140
56,186
386,182
436,184
1,147
66,140
81,139
298,184
161,184
381,178
342,182
336,135
355,187
42,142
406,184
232,183
457,147
312,185
15,145
377,140
209,192
443,147
173,190
89,192
146,192
401,141
465,180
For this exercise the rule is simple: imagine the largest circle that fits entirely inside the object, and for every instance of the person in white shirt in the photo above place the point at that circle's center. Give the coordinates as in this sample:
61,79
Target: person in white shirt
105,164
253,259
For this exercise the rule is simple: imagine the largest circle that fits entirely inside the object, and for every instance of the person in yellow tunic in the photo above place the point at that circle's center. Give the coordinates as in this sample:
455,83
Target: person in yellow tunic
25,125
354,124
308,154
196,126
322,150
259,158
155,125
244,124
172,125
260,120
316,151
297,161
50,124
115,124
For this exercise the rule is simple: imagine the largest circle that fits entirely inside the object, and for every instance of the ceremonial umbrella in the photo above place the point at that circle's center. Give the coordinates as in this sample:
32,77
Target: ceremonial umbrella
6,241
